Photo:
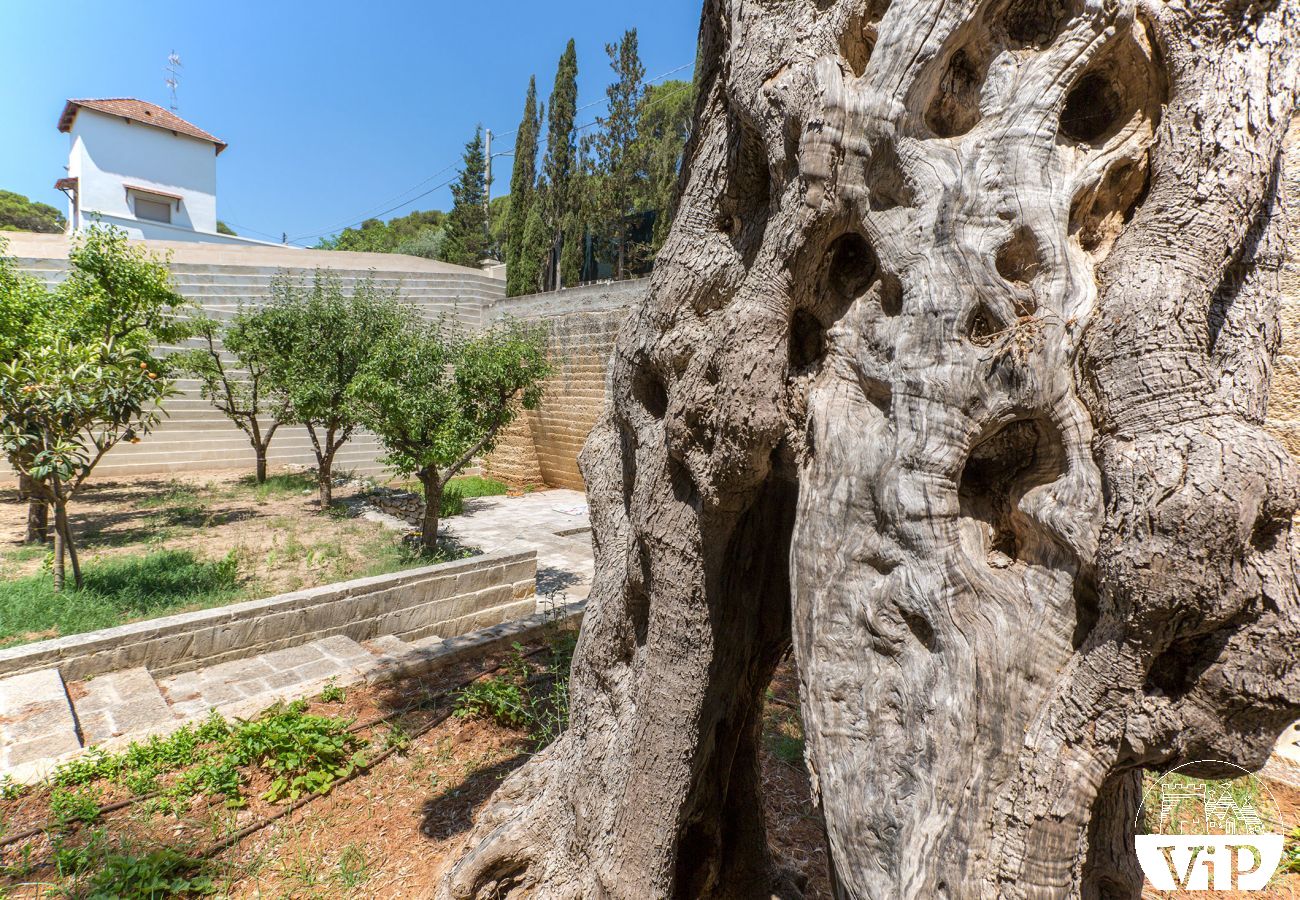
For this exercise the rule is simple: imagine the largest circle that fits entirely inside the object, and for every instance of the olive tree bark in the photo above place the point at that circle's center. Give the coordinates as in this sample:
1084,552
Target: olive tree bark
952,373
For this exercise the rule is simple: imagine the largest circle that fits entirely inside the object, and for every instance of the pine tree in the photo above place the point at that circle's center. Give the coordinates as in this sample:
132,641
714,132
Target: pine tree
616,147
559,163
468,241
522,193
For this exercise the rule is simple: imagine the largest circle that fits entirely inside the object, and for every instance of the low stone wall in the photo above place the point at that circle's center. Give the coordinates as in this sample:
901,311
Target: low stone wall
581,325
448,599
404,505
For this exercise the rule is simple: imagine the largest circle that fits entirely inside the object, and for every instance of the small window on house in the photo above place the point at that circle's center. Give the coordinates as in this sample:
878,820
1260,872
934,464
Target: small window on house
153,210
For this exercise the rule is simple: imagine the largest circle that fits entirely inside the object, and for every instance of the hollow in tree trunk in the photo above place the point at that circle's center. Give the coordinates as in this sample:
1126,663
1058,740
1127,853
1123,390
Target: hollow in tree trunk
952,372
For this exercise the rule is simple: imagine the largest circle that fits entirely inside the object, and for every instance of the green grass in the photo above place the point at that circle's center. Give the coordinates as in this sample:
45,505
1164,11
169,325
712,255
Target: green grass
458,490
285,484
116,591
175,494
389,556
26,553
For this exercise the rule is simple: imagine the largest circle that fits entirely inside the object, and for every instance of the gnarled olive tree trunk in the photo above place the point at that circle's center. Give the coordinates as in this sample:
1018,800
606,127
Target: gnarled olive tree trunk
959,351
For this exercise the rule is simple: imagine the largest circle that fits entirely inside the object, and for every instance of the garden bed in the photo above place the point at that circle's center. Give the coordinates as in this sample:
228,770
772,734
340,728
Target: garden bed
404,768
394,776
154,546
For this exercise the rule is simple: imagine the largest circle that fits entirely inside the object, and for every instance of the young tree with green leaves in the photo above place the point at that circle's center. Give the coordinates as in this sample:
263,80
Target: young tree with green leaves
522,192
468,241
24,306
244,392
85,379
65,405
559,164
617,150
438,397
325,338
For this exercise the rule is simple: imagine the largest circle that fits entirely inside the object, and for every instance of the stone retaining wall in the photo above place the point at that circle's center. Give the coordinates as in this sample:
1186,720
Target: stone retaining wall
446,600
404,505
581,325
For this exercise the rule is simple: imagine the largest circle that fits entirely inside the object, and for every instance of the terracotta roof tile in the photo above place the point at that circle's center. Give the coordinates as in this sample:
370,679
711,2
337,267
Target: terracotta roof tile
137,111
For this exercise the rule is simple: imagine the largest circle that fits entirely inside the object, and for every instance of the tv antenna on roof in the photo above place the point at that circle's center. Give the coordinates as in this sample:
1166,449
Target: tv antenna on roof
173,77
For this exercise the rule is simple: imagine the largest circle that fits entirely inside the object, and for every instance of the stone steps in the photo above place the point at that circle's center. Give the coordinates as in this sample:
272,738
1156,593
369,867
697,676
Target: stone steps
36,719
119,703
279,675
44,723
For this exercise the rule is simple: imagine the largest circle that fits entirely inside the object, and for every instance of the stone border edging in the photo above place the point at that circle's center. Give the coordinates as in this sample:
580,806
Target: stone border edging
448,598
419,660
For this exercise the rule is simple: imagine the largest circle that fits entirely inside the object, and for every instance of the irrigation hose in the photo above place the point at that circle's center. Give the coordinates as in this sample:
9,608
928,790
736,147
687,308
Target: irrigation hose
253,828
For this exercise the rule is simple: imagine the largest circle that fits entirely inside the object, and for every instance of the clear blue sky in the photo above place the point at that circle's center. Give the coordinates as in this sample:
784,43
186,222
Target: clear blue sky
330,108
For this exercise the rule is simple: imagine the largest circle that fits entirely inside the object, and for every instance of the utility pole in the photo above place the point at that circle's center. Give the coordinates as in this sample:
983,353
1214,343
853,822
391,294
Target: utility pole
487,196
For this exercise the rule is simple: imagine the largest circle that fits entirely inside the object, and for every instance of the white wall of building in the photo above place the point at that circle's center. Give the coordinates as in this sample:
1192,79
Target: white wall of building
110,152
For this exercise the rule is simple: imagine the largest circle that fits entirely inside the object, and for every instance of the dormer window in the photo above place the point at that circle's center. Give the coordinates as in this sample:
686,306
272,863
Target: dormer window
152,206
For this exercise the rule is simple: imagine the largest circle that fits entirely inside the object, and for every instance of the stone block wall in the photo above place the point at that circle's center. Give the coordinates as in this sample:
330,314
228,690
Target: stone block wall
581,324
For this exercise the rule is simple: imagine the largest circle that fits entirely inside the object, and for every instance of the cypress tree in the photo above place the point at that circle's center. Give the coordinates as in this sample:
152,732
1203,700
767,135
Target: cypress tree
536,244
468,241
558,164
522,194
617,159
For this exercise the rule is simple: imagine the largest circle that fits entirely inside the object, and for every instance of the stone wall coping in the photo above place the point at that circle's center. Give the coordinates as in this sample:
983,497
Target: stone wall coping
32,245
58,650
587,298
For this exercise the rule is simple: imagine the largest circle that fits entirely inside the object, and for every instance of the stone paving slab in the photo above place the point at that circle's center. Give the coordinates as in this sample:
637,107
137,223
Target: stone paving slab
119,703
267,676
36,719
555,523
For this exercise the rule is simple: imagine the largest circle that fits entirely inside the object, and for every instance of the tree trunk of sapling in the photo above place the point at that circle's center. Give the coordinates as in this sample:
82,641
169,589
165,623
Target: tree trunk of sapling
432,512
38,510
60,548
325,480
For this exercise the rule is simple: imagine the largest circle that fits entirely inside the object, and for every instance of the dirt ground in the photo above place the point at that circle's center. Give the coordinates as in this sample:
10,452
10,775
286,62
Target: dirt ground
390,832
282,541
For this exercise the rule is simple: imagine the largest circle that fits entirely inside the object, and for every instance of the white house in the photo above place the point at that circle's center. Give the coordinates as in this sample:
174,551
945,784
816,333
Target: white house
142,168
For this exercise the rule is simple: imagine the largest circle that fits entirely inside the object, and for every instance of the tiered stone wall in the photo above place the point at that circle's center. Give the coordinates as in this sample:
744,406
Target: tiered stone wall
581,324
218,279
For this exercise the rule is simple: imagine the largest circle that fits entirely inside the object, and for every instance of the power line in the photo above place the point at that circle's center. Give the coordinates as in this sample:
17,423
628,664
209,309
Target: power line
245,228
372,214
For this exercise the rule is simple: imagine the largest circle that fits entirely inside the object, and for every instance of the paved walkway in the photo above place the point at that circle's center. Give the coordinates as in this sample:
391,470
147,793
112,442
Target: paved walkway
44,720
554,523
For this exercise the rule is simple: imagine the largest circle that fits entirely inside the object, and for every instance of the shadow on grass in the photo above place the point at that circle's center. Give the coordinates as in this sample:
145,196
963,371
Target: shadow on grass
452,812
102,530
